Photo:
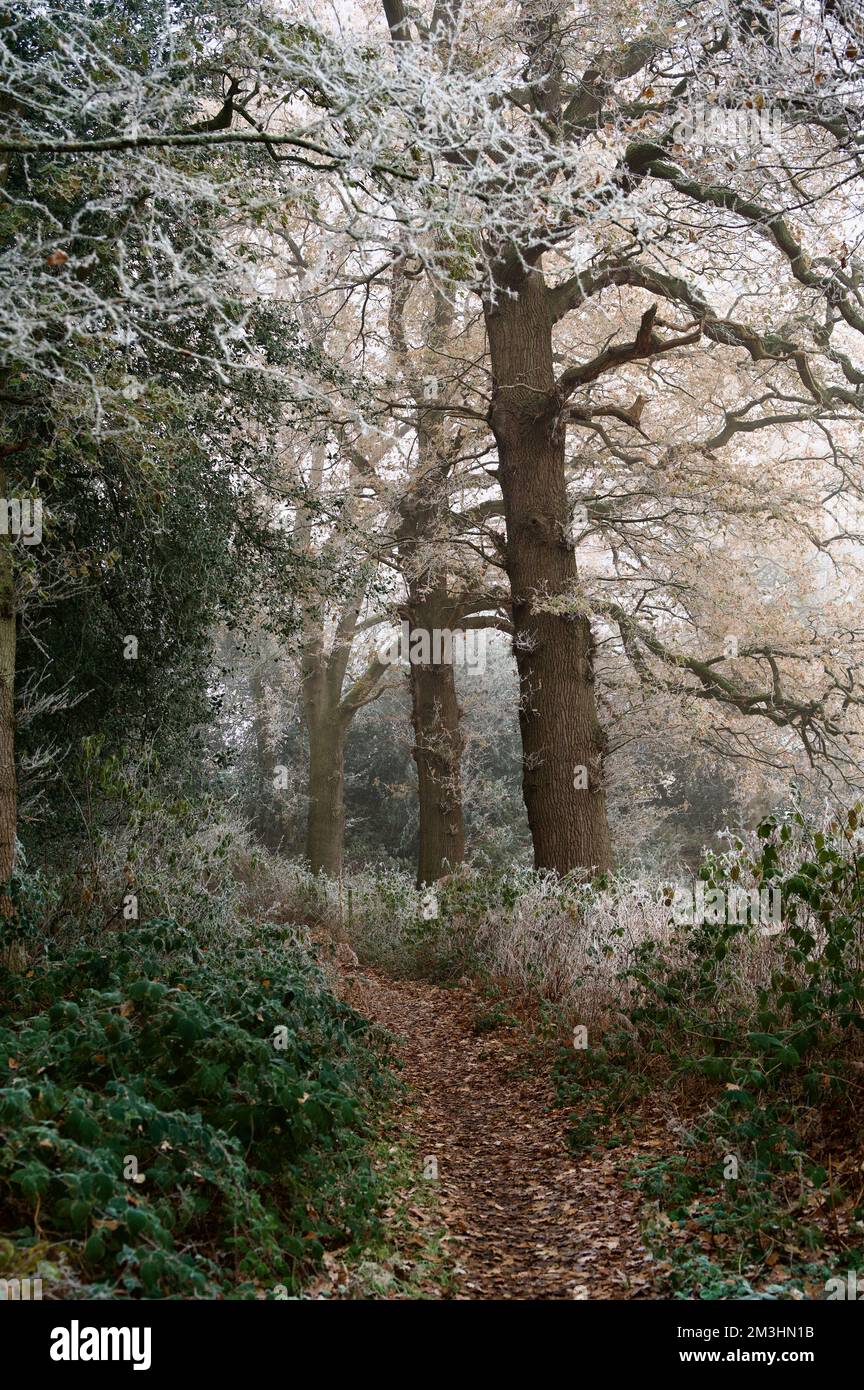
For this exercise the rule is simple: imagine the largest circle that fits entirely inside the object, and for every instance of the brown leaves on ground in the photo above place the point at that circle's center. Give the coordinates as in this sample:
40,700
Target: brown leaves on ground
525,1218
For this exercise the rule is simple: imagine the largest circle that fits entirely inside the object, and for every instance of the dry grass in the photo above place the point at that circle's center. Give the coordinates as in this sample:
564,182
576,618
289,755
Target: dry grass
565,943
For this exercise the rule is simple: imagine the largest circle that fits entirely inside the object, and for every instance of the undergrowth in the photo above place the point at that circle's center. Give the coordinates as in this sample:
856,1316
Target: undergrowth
755,1037
182,1116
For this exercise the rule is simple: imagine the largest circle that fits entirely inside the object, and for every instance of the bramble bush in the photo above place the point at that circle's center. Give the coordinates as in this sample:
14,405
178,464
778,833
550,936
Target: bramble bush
763,1032
768,1013
160,1045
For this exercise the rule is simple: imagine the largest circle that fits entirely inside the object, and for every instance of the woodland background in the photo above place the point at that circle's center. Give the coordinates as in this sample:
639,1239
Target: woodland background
539,322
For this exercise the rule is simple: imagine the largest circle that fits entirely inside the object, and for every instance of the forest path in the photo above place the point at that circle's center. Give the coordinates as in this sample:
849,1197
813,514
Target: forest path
526,1219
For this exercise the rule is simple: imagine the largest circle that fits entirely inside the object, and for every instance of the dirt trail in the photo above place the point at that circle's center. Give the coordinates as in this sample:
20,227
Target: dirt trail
526,1219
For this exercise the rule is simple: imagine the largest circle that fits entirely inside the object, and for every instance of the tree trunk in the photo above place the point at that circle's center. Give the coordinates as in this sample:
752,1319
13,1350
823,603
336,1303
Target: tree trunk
329,711
435,713
438,745
268,821
325,827
424,511
563,744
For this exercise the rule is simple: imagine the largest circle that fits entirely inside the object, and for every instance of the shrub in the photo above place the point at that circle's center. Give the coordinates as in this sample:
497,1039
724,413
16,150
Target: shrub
560,940
235,1082
762,1029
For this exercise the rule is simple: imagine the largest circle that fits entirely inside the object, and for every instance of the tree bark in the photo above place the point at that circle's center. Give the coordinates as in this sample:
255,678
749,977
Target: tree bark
325,827
436,717
329,710
563,743
438,746
269,819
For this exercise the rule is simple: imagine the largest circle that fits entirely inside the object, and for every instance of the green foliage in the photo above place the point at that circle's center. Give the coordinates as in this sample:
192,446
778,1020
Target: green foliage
235,1080
760,1026
491,1019
810,973
606,1084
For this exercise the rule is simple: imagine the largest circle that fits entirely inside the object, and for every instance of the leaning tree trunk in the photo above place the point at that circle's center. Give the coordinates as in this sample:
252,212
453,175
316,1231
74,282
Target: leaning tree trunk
325,827
563,744
438,746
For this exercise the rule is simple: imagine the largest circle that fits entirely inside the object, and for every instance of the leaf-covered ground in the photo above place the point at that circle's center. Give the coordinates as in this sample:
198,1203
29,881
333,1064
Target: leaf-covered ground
524,1218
